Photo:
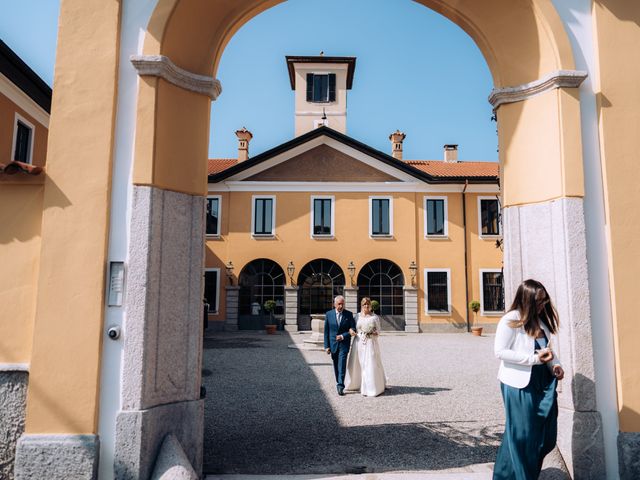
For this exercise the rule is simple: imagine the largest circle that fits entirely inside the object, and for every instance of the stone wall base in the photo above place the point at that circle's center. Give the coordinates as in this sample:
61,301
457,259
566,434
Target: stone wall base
57,457
13,402
629,455
581,443
452,328
139,435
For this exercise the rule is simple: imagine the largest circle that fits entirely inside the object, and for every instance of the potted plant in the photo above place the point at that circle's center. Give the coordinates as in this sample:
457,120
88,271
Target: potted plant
474,305
270,306
375,305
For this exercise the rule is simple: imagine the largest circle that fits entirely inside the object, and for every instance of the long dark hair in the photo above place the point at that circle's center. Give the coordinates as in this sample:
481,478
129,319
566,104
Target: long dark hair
533,303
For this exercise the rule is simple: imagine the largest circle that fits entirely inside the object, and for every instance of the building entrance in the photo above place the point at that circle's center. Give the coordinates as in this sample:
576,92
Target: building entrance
320,281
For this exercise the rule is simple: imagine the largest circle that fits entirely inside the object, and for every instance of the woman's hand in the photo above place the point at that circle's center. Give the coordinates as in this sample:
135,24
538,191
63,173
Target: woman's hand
352,332
545,355
558,372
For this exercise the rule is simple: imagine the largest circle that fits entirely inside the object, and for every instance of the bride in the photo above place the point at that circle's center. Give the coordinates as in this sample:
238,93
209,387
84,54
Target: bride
364,366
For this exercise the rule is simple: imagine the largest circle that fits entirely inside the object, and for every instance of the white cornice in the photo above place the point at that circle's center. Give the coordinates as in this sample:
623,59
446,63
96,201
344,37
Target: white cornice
557,79
161,66
314,113
14,367
22,100
370,187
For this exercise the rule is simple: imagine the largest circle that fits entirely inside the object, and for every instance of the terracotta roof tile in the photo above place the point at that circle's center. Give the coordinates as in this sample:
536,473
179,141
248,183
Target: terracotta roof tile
12,168
217,165
458,169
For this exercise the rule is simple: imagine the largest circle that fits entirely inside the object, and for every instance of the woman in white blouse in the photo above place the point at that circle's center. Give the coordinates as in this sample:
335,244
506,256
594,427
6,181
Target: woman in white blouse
529,372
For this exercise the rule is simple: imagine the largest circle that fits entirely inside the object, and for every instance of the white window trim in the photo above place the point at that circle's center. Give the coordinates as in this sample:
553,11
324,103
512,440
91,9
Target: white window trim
28,124
273,217
381,197
333,216
446,217
215,235
480,234
497,313
426,293
217,270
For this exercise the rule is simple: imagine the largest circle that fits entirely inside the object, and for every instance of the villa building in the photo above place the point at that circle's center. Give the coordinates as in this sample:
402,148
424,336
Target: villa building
325,214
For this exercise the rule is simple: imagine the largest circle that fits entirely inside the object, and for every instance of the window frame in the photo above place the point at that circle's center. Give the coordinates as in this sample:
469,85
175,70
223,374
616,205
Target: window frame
489,236
428,235
32,130
426,292
322,236
273,216
214,235
490,313
382,236
217,270
329,100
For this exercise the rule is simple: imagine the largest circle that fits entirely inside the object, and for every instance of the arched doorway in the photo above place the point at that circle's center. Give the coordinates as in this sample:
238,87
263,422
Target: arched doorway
382,280
259,281
525,44
319,281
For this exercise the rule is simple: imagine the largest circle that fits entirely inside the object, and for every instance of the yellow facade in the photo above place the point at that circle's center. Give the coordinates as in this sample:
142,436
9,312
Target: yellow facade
351,242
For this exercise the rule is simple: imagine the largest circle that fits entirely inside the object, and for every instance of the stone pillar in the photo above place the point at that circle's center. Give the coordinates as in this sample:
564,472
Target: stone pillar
411,324
291,309
351,299
162,335
13,403
232,297
546,241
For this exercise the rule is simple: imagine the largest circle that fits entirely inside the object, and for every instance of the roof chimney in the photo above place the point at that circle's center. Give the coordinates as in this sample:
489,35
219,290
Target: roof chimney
397,138
244,137
451,153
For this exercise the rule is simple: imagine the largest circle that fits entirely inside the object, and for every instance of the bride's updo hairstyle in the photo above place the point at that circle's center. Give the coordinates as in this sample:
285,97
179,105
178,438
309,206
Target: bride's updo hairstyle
534,305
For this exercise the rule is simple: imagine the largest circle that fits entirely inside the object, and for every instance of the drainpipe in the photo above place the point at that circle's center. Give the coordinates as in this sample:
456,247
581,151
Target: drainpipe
466,261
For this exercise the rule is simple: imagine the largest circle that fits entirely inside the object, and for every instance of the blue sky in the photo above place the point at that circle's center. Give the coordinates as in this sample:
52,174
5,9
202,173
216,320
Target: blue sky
416,71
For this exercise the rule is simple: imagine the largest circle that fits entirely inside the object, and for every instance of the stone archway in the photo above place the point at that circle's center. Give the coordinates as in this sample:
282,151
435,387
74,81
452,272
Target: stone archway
529,55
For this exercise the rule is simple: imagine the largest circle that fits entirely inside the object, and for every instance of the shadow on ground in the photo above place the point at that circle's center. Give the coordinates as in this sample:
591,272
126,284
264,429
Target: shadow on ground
267,413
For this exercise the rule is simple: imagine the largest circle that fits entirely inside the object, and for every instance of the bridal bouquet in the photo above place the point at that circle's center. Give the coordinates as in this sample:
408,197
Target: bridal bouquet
366,328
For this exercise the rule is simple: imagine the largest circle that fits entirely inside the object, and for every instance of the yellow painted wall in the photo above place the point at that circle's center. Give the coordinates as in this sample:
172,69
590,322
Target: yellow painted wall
351,242
20,217
8,110
618,33
65,364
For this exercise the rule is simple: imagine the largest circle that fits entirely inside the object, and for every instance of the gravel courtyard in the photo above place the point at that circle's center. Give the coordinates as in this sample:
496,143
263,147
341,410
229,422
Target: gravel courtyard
272,409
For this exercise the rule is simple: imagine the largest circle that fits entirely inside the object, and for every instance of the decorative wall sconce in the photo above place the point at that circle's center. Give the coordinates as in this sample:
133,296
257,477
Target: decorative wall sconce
413,268
352,271
290,270
229,267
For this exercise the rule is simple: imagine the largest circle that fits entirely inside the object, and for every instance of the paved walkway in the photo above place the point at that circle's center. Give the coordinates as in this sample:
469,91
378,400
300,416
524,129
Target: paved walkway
274,410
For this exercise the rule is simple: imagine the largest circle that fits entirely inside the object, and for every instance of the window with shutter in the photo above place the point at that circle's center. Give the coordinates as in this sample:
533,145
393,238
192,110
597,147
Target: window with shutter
332,87
309,87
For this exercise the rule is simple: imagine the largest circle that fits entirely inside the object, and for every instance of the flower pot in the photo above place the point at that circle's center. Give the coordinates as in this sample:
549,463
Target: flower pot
477,331
271,329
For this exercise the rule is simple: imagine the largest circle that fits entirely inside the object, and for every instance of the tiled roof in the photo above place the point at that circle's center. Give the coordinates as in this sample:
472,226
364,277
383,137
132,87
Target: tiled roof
217,165
12,168
458,169
435,168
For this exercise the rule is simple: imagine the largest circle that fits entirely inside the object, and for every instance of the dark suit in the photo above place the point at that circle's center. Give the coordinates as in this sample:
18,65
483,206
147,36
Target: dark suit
339,350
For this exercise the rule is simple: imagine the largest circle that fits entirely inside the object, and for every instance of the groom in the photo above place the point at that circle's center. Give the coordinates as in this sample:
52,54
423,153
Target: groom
337,338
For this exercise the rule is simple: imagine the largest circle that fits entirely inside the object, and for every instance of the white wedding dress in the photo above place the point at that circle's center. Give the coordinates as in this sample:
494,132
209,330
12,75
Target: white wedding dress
364,365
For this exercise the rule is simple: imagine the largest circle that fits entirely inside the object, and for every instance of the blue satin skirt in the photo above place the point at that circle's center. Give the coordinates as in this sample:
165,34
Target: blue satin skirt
531,426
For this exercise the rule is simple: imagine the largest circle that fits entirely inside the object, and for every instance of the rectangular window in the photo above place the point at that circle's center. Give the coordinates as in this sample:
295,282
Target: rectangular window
381,221
492,291
263,215
321,88
322,216
22,140
489,216
213,216
438,292
211,288
436,216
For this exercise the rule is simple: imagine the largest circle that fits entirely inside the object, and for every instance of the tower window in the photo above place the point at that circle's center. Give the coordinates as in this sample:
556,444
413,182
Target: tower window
321,87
